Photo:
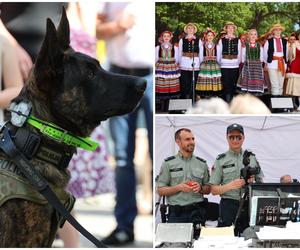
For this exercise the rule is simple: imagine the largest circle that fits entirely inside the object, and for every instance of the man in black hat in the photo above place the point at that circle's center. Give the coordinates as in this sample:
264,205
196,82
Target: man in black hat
225,179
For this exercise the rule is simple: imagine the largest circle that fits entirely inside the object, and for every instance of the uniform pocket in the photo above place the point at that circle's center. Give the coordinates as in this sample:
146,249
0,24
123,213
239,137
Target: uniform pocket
228,170
229,174
176,174
197,175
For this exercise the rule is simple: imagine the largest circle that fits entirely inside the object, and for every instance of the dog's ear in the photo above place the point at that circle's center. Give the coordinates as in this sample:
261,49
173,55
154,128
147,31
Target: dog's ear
49,61
63,30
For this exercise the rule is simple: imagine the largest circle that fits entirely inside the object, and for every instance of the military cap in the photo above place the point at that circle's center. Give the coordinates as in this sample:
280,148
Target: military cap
235,126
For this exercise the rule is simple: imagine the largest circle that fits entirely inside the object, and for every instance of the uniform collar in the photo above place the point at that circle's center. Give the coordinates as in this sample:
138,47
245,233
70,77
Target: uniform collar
234,153
182,157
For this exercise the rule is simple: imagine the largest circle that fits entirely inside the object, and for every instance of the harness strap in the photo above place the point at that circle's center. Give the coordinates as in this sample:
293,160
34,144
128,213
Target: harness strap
7,145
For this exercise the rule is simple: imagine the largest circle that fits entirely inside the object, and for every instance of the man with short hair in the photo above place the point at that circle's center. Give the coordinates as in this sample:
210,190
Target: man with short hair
226,178
286,179
183,179
276,57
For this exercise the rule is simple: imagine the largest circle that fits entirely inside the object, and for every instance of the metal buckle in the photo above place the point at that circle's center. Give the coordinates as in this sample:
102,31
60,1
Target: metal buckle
19,113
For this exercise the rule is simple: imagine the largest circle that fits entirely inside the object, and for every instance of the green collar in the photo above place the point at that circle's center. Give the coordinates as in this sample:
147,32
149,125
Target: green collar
59,134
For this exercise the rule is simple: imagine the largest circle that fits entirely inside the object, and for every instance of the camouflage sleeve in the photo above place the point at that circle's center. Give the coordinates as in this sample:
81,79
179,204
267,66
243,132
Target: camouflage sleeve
164,176
205,175
216,174
259,177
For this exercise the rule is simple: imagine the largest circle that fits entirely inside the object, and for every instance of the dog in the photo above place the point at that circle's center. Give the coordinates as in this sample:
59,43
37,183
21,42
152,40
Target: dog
71,90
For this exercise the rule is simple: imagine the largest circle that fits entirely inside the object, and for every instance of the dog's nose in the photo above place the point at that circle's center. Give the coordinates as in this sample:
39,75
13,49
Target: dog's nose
141,85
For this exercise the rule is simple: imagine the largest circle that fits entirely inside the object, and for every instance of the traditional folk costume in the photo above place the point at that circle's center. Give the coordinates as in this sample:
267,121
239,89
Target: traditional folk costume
167,73
275,55
188,54
293,73
209,78
252,75
228,57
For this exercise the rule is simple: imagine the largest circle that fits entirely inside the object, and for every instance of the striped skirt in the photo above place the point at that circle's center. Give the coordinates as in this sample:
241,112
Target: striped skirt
252,77
209,78
166,69
167,88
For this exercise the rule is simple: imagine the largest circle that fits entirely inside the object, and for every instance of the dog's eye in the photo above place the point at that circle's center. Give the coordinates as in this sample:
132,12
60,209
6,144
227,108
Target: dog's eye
91,74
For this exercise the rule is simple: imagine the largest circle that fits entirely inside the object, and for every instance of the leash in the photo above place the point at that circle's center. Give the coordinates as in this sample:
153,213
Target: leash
41,185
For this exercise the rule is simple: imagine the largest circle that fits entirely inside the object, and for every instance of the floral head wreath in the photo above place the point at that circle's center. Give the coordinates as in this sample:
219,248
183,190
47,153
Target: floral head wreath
160,39
209,30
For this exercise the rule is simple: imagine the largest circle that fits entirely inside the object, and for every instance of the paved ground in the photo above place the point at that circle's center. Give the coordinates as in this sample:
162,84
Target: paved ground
96,214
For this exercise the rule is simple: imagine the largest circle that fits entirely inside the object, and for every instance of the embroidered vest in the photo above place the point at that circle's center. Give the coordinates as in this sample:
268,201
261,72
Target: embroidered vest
160,52
253,53
230,46
187,46
271,49
209,52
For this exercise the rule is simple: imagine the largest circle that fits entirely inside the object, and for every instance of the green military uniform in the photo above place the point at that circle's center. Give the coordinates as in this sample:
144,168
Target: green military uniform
185,207
227,168
175,170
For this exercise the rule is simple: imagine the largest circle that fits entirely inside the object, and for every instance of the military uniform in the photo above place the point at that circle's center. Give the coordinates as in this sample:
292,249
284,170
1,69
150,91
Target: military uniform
184,207
227,168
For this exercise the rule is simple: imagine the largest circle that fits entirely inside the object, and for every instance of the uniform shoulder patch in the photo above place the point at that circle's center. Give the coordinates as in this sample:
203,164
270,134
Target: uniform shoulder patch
220,156
170,158
200,159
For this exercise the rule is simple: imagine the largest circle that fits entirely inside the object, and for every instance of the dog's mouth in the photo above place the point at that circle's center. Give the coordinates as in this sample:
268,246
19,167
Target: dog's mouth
121,111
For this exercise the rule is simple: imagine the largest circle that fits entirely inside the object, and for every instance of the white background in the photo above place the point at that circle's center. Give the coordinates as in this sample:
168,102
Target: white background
274,139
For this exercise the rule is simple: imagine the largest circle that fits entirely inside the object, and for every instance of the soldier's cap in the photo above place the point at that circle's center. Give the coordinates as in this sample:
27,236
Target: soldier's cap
235,127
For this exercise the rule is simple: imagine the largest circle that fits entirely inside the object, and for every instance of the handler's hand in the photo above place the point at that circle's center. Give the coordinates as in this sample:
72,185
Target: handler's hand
184,187
236,184
251,179
196,187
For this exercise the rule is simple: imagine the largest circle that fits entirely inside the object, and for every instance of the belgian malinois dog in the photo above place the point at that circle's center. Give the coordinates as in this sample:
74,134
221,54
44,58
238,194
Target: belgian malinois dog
72,91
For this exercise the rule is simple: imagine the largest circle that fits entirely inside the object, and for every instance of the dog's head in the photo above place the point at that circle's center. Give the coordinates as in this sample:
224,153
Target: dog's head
76,91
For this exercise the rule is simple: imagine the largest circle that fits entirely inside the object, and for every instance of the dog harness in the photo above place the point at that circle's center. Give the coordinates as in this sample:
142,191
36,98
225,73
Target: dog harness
19,179
13,185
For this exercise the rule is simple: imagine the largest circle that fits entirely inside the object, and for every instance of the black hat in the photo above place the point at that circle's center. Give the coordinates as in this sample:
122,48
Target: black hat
235,126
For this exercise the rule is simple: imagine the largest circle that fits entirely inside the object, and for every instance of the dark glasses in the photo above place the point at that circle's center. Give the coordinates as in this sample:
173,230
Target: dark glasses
235,137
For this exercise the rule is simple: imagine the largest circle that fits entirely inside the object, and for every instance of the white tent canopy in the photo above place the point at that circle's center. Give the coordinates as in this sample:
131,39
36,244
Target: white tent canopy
274,139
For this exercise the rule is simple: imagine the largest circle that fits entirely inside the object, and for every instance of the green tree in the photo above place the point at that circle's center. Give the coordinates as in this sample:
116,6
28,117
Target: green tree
261,16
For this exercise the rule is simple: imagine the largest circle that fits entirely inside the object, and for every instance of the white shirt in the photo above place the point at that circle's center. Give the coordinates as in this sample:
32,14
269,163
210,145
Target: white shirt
228,63
185,62
274,63
132,49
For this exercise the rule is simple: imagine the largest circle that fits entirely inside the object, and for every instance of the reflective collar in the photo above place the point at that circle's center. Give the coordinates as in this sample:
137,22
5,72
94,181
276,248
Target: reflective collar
59,134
